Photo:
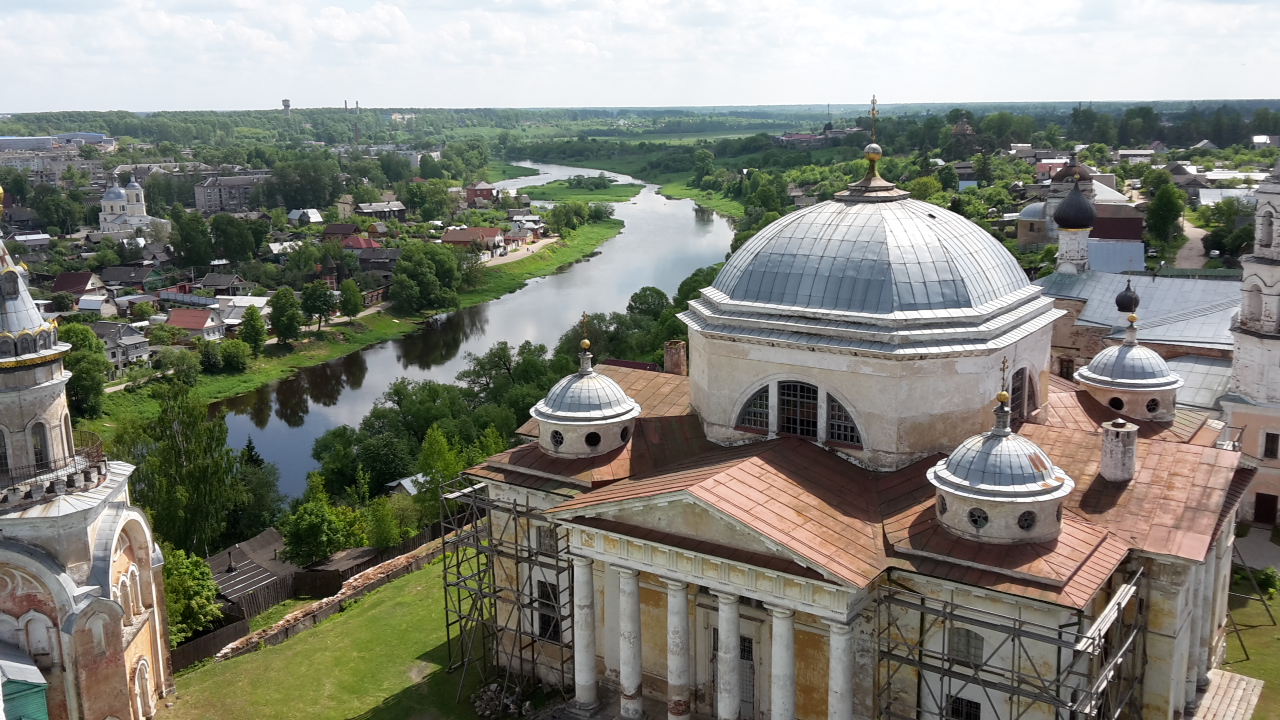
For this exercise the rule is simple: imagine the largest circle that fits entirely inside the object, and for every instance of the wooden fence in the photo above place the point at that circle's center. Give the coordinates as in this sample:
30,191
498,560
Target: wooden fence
262,599
206,646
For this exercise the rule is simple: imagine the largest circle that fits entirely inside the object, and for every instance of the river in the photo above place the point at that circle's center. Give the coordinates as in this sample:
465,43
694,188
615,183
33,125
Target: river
663,241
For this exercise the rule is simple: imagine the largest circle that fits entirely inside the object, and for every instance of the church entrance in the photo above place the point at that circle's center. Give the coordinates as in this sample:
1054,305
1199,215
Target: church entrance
1264,509
746,673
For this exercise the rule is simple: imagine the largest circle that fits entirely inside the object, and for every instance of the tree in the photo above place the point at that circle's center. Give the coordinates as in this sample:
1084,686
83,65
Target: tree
253,331
704,164
317,301
649,302
142,311
1165,212
232,239
190,594
923,188
89,369
351,301
191,239
210,358
183,364
63,302
286,315
262,484
1155,179
382,528
186,476
163,334
318,529
235,356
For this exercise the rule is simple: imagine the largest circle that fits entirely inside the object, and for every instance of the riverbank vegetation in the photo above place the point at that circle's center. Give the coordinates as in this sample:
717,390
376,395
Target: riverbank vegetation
499,171
583,189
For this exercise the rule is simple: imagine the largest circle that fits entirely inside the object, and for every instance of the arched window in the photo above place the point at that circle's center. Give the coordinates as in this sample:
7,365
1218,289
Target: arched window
798,409
142,689
1018,395
840,427
11,633
125,599
70,438
1266,229
40,446
7,347
4,454
755,414
42,340
1252,310
26,345
966,646
98,629
41,639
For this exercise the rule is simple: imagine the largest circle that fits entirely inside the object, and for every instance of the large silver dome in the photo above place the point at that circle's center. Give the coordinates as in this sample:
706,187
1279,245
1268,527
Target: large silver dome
871,257
585,396
113,193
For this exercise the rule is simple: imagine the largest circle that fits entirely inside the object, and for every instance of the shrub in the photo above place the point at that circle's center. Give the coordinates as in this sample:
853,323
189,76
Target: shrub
235,356
1268,581
210,358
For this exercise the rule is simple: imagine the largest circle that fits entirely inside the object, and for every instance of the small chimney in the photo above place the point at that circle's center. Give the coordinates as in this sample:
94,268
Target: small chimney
674,360
1119,450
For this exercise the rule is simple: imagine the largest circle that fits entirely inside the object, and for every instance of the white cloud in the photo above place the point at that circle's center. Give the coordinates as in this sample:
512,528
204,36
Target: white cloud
226,54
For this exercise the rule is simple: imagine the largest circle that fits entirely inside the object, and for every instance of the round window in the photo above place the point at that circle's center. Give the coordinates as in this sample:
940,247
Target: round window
978,518
626,434
1116,403
942,505
557,439
1153,405
1059,514
1027,520
593,439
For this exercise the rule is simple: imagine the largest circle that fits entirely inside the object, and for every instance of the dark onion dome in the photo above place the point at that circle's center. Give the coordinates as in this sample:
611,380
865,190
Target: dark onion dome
1127,300
1075,212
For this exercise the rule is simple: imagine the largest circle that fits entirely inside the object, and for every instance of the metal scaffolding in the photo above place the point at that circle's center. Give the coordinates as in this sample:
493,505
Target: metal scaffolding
930,651
508,593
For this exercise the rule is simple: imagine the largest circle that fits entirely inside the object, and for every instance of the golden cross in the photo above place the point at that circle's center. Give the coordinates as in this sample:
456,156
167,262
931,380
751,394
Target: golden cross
584,324
1004,368
874,114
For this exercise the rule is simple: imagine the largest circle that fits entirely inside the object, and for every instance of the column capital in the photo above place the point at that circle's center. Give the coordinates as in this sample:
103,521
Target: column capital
675,584
627,572
779,611
839,628
725,598
582,561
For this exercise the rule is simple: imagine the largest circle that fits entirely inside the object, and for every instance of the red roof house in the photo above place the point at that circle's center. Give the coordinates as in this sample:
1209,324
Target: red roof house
357,242
204,324
76,283
489,238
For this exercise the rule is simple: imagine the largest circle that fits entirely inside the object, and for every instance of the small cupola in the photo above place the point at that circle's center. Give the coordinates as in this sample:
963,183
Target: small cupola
1131,379
1075,212
586,414
999,487
1127,301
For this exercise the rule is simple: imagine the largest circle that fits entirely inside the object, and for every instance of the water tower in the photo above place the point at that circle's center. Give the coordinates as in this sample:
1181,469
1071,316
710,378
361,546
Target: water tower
287,109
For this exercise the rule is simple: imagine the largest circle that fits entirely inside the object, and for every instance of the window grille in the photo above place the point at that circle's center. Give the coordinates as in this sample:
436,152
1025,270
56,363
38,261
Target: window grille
755,414
962,709
547,541
840,427
798,409
966,646
1271,447
548,611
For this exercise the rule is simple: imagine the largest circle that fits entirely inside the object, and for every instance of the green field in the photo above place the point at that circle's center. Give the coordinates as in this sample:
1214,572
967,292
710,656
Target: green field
559,191
1262,639
679,189
381,659
277,362
505,171
510,277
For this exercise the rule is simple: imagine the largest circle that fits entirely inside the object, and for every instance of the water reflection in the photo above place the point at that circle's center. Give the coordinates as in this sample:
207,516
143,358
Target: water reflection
664,240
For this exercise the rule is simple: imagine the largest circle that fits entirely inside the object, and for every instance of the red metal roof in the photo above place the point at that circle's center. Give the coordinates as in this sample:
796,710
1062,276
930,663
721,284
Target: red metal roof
357,242
72,282
189,319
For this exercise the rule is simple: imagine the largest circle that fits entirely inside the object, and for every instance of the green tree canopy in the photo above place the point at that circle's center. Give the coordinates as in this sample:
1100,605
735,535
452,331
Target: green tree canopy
190,594
286,315
89,369
317,301
352,300
253,331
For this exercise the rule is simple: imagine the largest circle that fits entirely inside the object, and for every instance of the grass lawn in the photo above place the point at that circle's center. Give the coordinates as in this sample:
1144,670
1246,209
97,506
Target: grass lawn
680,189
277,613
559,191
505,171
1262,639
381,659
276,362
510,277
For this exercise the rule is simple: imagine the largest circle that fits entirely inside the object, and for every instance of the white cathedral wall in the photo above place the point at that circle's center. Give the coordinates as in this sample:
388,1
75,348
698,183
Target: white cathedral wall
905,409
44,402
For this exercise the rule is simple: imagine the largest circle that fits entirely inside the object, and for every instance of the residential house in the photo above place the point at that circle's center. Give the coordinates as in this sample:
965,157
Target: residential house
1204,145
358,242
77,283
490,241
1134,157
138,277
1158,147
226,194
125,345
226,284
383,210
125,305
406,485
32,241
231,308
480,191
300,218
967,174
96,304
378,230
378,260
203,324
338,231
1117,221
518,238
159,255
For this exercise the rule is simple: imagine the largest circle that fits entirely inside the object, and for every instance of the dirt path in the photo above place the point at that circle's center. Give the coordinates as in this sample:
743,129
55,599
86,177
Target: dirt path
522,252
1191,255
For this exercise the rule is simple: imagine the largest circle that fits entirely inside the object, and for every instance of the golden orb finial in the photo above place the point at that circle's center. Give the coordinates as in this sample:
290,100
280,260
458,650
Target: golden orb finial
1133,318
585,344
1002,396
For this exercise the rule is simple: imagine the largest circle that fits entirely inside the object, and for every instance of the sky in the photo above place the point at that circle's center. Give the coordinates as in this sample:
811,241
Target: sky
249,54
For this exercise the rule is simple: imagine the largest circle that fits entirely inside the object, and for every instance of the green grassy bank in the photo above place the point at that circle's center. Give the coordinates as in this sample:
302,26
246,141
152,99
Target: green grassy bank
380,659
510,277
559,191
506,171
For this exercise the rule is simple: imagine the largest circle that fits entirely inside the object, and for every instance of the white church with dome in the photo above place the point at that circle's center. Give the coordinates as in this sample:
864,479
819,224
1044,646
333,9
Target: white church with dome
868,498
124,210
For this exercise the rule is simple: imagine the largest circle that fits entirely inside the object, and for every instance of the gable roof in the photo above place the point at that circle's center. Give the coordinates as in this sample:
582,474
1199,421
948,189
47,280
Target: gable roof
74,281
220,280
358,242
192,319
340,229
126,274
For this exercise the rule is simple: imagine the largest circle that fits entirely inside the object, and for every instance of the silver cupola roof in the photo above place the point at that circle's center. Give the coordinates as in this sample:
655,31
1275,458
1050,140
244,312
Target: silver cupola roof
1129,366
585,397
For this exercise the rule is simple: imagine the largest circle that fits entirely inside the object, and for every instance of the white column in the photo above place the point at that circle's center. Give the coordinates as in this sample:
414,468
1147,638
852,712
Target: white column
1208,624
840,669
629,668
1193,639
728,662
782,684
677,650
584,634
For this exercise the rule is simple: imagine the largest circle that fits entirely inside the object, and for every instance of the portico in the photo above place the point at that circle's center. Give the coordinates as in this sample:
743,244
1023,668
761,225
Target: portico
703,587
